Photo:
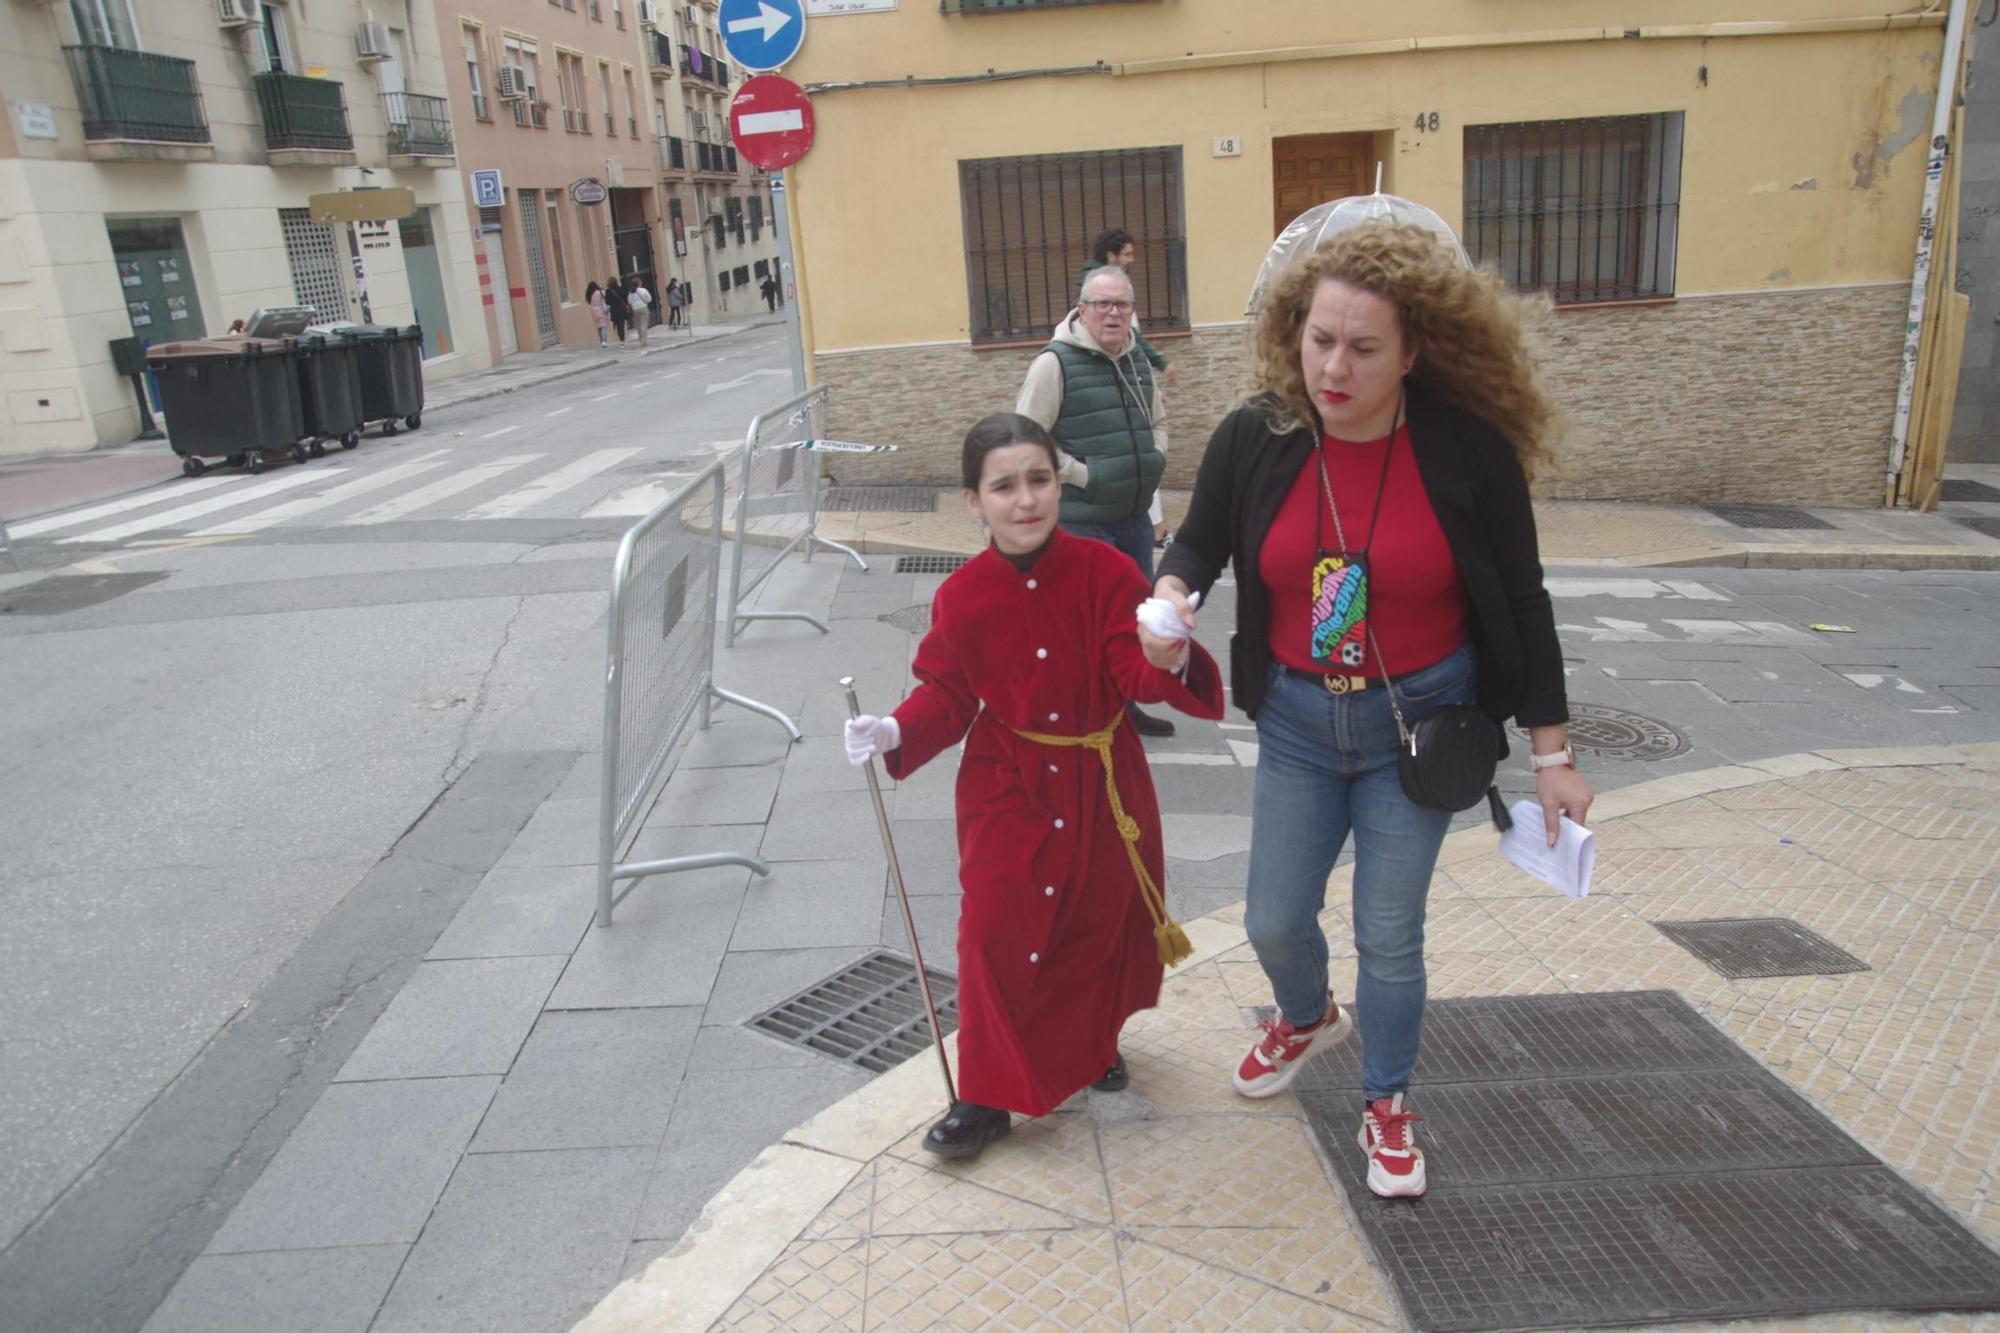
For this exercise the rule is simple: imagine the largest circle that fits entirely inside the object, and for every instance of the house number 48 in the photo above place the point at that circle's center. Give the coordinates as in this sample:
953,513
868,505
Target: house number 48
1427,121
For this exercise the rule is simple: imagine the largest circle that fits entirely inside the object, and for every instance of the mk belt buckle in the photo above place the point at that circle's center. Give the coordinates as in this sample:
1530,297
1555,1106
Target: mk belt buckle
1341,684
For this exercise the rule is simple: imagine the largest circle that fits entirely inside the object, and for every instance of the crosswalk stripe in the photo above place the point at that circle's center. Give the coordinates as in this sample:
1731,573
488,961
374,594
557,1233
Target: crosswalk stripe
411,501
311,504
550,484
637,501
297,476
56,523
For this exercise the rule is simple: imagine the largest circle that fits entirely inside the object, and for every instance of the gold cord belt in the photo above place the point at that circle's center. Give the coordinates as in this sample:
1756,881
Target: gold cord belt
1170,940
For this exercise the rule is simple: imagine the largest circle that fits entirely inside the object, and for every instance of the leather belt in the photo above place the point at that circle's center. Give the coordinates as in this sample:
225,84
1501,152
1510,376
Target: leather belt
1336,684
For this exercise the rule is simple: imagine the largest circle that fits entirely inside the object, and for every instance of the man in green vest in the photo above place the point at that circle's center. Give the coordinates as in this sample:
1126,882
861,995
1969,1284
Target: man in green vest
1094,391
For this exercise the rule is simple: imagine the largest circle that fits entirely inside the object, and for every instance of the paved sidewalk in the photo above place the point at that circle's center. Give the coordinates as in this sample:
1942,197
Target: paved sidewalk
1585,533
1178,1204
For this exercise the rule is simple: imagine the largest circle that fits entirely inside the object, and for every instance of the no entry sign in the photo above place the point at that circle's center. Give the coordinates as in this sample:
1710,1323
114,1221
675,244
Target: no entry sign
771,121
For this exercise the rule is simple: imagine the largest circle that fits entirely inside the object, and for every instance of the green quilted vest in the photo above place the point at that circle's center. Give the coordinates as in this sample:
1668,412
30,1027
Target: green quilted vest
1105,426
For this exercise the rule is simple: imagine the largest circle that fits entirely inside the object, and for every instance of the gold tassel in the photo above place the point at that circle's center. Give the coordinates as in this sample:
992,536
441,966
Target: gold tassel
1173,943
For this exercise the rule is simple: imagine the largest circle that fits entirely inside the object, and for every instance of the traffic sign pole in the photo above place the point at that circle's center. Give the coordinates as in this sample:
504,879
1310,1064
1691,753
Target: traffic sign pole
781,218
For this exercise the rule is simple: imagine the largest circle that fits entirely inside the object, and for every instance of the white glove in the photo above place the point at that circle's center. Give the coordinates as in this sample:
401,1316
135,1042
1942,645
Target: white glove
868,736
1158,617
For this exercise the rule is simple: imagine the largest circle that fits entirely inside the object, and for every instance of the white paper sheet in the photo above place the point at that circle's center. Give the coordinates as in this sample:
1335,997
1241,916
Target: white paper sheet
1565,866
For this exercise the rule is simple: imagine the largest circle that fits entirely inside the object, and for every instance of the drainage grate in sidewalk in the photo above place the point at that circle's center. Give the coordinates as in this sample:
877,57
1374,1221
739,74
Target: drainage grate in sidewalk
930,564
879,499
1760,946
1616,1159
1964,488
1767,516
911,619
870,1013
62,593
1615,733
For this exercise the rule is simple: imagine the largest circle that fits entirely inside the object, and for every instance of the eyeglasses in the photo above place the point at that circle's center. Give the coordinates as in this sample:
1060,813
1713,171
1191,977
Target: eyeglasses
1109,307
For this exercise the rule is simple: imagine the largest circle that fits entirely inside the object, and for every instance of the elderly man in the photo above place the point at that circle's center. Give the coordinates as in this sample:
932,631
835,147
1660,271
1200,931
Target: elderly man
1096,394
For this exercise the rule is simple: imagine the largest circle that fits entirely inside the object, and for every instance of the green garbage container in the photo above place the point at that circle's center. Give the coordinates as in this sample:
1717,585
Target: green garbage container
392,372
229,398
330,389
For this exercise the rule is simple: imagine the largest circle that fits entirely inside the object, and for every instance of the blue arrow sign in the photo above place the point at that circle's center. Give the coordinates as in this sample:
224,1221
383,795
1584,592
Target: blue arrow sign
762,34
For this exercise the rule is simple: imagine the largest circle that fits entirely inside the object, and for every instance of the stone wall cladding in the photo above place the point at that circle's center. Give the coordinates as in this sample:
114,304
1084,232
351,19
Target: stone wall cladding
1764,398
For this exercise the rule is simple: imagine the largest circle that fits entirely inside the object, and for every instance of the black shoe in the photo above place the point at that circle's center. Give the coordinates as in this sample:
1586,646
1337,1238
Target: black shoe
1148,725
1115,1079
966,1129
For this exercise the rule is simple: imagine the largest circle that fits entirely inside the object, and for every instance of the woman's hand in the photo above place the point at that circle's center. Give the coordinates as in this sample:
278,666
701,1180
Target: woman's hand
1169,653
1562,791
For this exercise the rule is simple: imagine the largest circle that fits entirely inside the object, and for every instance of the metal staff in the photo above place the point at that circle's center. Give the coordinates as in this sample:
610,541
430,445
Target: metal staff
903,897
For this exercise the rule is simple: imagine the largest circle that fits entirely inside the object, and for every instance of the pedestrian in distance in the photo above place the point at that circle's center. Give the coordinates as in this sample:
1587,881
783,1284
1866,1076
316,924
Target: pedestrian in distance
600,313
640,302
1032,654
769,289
1372,499
614,304
676,304
1098,397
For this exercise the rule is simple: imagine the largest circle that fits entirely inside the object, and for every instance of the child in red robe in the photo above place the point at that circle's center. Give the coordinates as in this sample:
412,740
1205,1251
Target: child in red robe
1063,928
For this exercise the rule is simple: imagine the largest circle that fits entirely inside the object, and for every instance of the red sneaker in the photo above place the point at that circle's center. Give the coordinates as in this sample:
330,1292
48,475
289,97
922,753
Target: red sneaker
1395,1164
1281,1052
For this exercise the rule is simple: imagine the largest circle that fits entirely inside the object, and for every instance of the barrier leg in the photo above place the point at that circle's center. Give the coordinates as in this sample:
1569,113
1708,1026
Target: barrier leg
774,714
818,624
831,544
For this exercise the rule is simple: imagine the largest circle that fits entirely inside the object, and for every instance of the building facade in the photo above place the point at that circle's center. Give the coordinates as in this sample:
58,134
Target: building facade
156,164
1975,422
1722,206
606,123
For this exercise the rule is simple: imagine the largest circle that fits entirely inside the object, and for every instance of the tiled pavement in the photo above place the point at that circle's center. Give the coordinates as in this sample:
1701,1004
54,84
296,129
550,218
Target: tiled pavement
1177,1204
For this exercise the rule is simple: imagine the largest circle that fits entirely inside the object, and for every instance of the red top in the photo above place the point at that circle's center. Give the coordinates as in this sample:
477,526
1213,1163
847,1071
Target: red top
1417,607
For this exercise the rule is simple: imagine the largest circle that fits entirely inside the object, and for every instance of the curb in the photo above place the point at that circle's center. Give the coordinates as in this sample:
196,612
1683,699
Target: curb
750,1221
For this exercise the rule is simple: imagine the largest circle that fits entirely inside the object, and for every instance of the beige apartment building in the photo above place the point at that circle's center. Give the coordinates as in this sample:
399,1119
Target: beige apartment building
155,166
595,135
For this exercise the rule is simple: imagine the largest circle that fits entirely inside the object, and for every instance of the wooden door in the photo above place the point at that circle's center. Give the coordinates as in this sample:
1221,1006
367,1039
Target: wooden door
1310,169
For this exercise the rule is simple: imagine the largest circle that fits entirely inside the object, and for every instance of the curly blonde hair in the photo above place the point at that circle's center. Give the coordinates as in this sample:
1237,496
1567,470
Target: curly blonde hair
1468,329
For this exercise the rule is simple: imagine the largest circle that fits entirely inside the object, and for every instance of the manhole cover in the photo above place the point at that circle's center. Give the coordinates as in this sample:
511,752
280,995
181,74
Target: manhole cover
911,619
930,564
870,1013
1760,946
70,592
1963,488
1617,734
1617,1159
879,499
1767,516
1986,527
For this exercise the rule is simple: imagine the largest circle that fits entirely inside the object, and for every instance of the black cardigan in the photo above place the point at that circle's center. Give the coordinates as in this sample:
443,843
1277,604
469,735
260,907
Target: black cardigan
1481,499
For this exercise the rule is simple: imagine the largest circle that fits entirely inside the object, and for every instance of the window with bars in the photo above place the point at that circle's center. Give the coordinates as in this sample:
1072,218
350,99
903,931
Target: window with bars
1029,221
1586,210
319,270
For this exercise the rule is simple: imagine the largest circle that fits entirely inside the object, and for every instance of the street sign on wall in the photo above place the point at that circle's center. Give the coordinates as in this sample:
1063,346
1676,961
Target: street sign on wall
487,191
771,121
762,34
397,201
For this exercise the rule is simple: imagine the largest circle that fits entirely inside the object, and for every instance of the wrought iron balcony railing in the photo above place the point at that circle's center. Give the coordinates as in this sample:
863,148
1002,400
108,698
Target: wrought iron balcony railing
302,113
418,125
137,95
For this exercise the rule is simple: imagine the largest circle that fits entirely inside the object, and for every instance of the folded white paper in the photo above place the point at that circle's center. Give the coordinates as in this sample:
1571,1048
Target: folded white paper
1565,866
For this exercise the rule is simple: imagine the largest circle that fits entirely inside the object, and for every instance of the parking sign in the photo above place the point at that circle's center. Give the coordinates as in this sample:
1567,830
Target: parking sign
487,191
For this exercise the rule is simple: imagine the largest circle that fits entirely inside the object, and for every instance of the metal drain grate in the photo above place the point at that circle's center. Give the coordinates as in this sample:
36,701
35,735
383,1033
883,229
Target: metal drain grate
1615,733
1760,946
1986,527
870,1013
879,499
1964,488
911,619
70,592
1767,516
930,564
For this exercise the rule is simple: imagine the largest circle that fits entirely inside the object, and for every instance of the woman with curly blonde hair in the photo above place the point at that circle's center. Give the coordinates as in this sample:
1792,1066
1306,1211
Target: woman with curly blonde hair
1372,496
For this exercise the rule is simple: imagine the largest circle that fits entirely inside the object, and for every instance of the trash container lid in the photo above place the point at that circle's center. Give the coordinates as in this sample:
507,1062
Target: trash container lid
199,348
279,321
372,332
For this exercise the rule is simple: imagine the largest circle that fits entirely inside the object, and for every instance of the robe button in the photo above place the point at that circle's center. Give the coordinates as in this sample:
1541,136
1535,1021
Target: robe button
1032,584
1054,769
1049,892
1034,958
1058,823
1041,652
1054,717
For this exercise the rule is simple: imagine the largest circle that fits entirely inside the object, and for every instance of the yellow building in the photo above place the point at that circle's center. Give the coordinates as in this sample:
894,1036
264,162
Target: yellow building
1723,203
155,165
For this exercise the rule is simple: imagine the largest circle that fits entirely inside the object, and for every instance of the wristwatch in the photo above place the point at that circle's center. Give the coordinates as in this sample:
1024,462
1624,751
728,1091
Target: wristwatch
1561,758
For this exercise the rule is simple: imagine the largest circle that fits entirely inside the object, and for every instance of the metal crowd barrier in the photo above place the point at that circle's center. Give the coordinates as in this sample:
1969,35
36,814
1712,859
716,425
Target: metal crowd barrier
777,505
660,674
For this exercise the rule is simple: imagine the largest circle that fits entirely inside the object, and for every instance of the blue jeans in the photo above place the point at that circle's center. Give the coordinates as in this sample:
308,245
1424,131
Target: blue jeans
1133,536
1327,765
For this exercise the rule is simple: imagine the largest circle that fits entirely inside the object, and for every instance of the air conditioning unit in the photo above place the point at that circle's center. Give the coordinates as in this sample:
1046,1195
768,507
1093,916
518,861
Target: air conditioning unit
371,42
701,121
512,83
649,14
693,18
236,13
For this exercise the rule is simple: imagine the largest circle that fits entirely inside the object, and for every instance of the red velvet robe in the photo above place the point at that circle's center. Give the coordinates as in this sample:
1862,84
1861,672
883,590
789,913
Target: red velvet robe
1055,946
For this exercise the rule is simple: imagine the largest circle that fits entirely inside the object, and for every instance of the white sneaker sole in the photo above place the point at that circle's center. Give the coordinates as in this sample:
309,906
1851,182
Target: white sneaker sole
1275,1082
1385,1186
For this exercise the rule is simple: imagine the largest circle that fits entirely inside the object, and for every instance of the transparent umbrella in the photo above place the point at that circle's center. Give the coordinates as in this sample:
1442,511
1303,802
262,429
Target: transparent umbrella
1304,233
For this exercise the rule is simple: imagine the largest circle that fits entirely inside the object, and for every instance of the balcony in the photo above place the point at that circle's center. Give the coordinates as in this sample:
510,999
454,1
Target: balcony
698,64
138,106
729,153
659,53
305,121
673,154
419,130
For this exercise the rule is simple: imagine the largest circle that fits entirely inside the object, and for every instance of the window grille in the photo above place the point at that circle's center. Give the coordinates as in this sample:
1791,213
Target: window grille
1586,210
319,270
1029,222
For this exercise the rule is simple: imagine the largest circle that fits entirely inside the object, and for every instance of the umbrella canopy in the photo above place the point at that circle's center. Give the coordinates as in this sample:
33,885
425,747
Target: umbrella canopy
1305,232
